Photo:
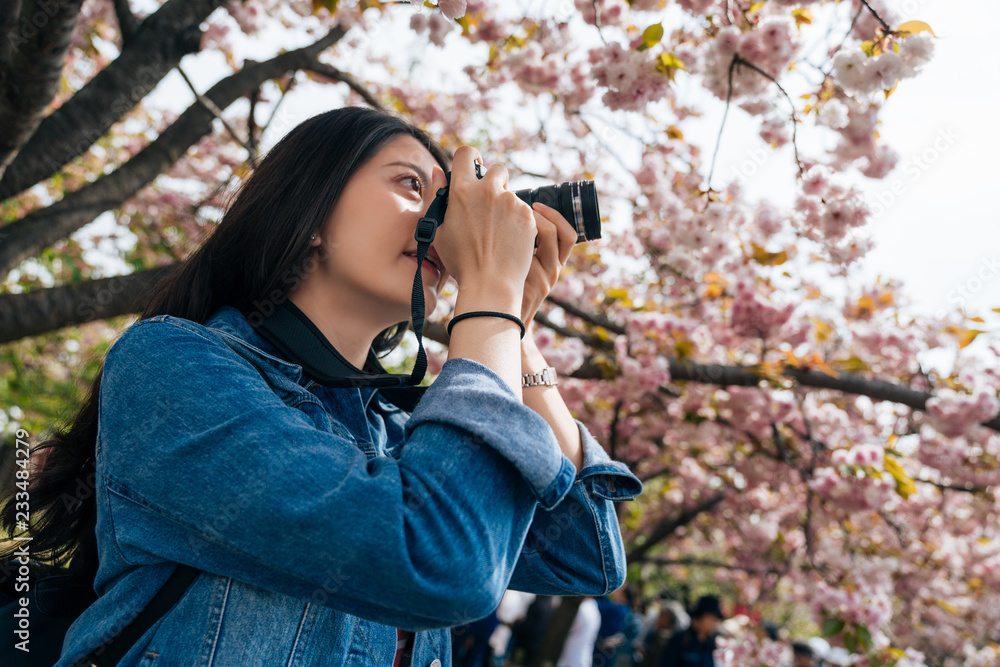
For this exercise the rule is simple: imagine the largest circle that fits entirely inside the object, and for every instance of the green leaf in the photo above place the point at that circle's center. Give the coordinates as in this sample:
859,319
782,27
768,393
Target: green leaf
865,638
651,36
832,626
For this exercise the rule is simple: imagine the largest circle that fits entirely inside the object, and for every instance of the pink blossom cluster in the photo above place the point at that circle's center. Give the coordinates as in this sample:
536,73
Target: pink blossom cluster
629,75
861,74
603,13
891,350
770,46
830,214
963,459
435,26
755,316
867,25
869,607
953,413
852,493
752,410
642,371
565,354
452,9
776,131
749,651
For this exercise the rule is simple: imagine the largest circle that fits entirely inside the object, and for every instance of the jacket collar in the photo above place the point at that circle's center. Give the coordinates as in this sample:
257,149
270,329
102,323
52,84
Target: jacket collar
232,321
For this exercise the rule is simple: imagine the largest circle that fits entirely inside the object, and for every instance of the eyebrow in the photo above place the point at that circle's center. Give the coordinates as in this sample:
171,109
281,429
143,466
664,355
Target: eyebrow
424,178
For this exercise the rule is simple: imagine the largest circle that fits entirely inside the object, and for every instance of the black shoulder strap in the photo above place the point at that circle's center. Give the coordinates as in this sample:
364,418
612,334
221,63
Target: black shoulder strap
111,652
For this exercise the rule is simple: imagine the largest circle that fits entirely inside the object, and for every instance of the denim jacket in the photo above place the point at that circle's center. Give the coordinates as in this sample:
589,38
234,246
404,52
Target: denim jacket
322,519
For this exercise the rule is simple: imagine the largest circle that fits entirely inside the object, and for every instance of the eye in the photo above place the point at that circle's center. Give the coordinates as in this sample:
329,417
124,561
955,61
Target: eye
414,183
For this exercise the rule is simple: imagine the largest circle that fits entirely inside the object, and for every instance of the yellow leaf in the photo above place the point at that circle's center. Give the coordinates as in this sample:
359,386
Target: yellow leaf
713,291
617,293
870,48
968,336
866,305
668,63
951,609
891,90
852,364
684,348
651,36
329,5
996,310
823,329
754,7
802,16
977,319
808,108
674,133
913,27
766,258
905,485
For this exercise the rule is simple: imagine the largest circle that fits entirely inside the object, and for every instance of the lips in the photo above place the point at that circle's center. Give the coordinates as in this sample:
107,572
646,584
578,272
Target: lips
431,258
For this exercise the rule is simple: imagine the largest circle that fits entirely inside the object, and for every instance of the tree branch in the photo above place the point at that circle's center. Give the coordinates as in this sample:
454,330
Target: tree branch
875,14
127,23
217,112
35,44
667,527
331,72
159,44
700,562
42,228
722,126
795,121
592,341
592,318
41,310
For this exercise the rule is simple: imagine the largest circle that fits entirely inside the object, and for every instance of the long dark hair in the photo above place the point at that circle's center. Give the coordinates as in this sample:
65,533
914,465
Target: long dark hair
262,239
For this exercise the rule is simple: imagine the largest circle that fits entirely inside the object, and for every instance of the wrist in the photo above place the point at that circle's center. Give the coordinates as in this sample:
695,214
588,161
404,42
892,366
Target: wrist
497,296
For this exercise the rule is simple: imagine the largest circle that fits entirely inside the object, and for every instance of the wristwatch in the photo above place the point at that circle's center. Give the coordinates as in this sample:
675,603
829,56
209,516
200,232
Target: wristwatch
547,377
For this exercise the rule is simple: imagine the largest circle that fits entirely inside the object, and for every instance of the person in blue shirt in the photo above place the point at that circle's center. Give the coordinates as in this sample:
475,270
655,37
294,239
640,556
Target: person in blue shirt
333,525
695,646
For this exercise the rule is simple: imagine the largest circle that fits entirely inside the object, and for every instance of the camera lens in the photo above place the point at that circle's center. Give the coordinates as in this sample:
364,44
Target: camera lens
575,200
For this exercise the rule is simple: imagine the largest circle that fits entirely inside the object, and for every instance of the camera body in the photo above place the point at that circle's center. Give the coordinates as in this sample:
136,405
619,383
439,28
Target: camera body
575,200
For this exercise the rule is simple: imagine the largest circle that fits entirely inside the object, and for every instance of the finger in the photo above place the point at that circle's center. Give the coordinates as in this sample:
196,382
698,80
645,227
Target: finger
462,166
566,232
497,174
547,252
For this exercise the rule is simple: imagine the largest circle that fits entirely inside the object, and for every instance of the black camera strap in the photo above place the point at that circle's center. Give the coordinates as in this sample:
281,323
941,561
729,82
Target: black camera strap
295,335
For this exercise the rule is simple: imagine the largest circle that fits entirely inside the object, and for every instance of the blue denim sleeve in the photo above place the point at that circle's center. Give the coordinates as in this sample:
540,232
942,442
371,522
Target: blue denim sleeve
205,465
576,547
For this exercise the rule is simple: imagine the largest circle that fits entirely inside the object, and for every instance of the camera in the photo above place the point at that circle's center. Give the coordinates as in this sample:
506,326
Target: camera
575,200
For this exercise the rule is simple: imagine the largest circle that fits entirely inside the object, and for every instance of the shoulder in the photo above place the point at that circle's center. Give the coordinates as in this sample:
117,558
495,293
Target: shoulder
161,335
163,345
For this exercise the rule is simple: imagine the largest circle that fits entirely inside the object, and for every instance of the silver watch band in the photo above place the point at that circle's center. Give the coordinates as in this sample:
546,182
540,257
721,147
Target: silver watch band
546,377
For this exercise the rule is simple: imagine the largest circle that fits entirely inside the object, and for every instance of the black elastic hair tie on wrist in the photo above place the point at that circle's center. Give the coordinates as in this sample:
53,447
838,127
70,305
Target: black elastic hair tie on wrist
487,313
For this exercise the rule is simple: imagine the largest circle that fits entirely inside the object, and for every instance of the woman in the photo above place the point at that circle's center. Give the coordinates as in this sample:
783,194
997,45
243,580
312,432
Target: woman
330,525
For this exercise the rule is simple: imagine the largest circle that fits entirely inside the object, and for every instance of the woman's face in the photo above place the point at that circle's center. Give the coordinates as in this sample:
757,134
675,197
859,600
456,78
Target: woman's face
368,238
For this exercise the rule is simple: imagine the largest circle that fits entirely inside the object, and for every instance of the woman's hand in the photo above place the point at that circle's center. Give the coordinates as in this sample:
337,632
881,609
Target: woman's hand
486,237
556,238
